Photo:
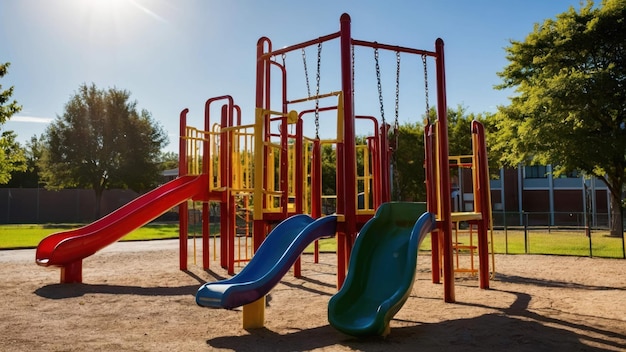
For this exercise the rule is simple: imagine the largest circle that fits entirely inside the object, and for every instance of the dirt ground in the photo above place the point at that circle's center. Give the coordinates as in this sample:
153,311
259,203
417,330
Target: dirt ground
134,298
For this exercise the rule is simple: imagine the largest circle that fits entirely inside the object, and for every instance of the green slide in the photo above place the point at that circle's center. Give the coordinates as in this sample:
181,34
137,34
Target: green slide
381,271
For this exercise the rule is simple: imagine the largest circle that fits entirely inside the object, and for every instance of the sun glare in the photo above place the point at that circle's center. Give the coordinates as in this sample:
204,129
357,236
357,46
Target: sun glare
108,7
105,28
121,8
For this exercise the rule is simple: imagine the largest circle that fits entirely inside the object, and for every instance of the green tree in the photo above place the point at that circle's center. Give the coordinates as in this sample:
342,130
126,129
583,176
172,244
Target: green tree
408,157
490,121
407,181
168,160
101,141
570,104
459,131
29,177
460,135
329,169
12,155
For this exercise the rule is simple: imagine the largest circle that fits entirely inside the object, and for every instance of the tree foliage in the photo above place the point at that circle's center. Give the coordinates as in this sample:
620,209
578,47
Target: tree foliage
329,169
101,141
168,160
459,131
570,104
29,176
409,184
408,159
12,156
460,134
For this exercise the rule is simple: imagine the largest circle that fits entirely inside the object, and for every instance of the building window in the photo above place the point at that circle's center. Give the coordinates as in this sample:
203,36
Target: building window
536,171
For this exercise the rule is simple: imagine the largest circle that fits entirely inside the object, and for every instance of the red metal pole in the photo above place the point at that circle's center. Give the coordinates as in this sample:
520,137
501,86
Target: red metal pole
287,49
227,182
345,155
384,153
261,86
299,168
182,208
227,243
224,172
350,189
480,152
299,186
444,177
342,256
284,152
284,167
431,200
376,187
260,70
373,147
206,233
393,48
316,187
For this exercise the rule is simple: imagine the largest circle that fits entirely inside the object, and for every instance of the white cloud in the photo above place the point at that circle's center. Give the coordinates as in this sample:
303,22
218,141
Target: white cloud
31,119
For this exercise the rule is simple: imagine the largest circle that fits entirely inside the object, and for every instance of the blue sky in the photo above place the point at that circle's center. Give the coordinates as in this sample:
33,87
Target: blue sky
176,54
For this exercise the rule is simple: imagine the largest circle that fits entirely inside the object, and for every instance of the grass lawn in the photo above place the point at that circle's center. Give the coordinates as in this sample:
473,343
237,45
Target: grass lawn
28,236
572,243
558,242
555,242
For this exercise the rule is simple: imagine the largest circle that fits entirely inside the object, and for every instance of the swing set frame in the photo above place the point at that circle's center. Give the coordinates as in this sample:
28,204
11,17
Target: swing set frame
277,186
439,201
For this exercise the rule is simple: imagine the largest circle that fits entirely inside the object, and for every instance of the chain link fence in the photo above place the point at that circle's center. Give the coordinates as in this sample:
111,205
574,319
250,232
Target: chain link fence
41,206
567,233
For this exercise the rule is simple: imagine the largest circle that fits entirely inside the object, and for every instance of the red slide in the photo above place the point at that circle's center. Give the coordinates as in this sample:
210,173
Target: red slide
67,249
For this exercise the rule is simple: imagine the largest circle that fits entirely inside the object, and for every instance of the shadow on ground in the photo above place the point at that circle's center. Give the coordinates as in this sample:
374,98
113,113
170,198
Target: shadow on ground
62,291
513,334
517,329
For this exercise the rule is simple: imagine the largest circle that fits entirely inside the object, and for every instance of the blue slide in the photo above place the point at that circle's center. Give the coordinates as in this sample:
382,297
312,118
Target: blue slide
381,271
270,263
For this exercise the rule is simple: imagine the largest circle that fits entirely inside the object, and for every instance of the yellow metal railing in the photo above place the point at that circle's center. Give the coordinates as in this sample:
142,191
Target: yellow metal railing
194,141
364,179
242,158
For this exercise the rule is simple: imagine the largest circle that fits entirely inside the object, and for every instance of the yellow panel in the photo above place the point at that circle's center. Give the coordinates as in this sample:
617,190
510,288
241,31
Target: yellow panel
254,314
466,216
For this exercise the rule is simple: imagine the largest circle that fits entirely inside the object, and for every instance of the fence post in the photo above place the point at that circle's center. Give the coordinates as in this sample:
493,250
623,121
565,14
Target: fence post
621,211
588,234
506,234
9,196
587,206
525,216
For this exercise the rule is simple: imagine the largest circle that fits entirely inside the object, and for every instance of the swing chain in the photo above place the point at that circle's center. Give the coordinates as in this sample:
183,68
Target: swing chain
380,88
394,157
426,89
306,73
317,92
396,125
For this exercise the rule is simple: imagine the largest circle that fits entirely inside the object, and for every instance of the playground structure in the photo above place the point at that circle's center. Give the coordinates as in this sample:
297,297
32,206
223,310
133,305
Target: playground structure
282,154
283,190
272,169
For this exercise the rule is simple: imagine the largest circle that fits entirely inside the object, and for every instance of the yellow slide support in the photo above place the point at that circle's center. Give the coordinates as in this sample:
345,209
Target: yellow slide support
254,314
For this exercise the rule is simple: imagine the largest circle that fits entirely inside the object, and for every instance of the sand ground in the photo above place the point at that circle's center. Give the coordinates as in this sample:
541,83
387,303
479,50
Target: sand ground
134,298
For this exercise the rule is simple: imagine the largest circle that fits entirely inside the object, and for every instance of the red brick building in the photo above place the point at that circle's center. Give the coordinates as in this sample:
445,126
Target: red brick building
531,192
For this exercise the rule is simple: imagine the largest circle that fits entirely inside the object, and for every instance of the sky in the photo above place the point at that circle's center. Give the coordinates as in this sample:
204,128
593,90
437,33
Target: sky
172,55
